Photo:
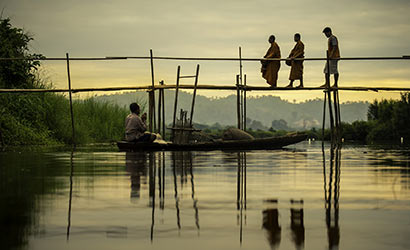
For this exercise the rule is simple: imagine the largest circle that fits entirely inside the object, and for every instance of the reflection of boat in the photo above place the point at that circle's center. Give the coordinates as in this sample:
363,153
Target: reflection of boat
262,143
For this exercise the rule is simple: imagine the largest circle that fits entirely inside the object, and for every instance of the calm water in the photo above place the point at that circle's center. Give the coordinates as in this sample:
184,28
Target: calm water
298,198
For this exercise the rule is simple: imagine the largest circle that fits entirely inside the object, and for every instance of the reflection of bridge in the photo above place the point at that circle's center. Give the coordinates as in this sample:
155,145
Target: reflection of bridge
152,166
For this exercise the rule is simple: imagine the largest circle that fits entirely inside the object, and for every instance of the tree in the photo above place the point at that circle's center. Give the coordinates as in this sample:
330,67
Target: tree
14,44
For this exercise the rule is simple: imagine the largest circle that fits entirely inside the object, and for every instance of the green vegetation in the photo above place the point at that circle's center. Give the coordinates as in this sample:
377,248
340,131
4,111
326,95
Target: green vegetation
388,121
44,118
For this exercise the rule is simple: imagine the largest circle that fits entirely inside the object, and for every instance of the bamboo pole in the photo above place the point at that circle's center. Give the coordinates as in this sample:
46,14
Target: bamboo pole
110,58
150,110
153,93
163,110
240,65
194,95
329,97
238,111
70,97
160,91
202,86
336,108
324,118
241,84
176,98
244,104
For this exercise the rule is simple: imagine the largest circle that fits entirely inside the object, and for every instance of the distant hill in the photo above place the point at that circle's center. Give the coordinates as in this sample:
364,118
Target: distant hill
261,111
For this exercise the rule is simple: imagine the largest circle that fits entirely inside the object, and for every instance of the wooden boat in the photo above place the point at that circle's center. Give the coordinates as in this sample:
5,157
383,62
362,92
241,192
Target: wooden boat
255,144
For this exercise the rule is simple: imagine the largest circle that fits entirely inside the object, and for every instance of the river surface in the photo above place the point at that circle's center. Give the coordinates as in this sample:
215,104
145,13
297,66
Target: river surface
297,198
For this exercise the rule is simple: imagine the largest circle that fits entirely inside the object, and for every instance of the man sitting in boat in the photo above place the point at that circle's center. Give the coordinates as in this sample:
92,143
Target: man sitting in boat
135,126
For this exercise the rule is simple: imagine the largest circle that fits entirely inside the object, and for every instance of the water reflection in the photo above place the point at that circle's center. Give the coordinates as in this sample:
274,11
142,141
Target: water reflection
24,179
241,192
70,196
230,200
296,223
136,166
332,192
271,223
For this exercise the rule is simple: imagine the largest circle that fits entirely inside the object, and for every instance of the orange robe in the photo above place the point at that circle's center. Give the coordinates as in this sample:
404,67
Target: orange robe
270,72
296,71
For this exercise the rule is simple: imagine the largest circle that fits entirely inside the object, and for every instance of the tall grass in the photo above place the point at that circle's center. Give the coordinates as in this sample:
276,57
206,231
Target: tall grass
44,118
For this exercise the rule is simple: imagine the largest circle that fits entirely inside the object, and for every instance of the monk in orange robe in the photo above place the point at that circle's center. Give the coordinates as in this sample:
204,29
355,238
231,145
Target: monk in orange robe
296,70
270,68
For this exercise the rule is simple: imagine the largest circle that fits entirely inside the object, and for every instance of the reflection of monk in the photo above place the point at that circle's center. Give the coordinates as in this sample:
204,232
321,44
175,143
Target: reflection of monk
135,163
296,223
271,224
270,68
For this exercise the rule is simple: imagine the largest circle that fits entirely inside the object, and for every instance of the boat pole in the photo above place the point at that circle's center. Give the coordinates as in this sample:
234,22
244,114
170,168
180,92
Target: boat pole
70,98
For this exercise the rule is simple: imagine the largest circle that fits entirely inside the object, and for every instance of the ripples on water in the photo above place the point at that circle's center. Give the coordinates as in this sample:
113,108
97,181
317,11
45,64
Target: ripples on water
300,197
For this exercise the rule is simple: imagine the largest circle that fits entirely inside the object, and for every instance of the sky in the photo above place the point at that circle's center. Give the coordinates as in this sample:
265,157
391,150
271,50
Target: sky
215,28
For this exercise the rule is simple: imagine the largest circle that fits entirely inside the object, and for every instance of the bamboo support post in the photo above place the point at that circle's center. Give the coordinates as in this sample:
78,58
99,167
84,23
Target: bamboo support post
194,95
244,104
238,111
152,105
324,118
159,110
176,98
329,97
337,125
163,110
70,98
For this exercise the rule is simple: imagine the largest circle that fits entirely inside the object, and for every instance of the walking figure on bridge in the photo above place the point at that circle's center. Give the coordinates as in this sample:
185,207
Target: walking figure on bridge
334,55
296,70
270,68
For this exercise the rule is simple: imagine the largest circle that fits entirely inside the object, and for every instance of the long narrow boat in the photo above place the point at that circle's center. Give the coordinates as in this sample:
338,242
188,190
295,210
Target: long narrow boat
255,144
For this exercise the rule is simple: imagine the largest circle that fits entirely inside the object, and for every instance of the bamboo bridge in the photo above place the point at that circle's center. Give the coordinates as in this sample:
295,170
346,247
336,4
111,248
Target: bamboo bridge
156,118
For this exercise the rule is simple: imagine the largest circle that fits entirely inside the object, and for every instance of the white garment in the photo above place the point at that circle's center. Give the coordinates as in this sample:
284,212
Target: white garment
333,67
